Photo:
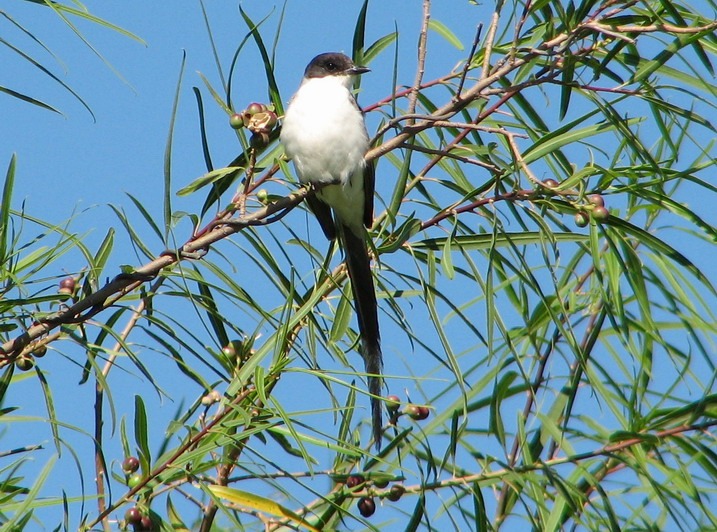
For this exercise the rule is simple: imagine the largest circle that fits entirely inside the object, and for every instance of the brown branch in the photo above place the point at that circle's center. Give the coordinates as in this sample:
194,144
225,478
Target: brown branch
606,450
123,284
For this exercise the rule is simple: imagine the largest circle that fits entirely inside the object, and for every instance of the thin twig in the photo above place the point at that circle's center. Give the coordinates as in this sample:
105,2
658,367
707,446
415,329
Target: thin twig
469,61
421,67
489,42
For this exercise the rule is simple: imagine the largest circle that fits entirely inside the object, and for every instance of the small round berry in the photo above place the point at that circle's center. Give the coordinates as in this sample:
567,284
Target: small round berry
207,400
597,200
551,183
416,412
392,403
130,464
232,349
262,195
236,121
600,214
134,480
146,523
259,140
355,481
133,516
423,412
380,483
24,363
254,108
67,286
396,492
215,396
366,506
40,352
411,410
581,219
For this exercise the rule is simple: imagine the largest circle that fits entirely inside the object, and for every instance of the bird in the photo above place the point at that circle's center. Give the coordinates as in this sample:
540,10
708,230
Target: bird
324,133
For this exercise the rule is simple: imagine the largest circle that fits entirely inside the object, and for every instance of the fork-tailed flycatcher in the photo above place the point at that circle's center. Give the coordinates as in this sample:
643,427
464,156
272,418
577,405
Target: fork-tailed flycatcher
324,133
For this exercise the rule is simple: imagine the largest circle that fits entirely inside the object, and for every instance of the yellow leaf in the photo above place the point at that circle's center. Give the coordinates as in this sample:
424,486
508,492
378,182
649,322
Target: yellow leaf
262,504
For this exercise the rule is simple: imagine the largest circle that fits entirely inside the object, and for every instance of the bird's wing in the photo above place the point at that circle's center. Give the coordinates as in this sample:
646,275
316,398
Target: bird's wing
323,214
369,183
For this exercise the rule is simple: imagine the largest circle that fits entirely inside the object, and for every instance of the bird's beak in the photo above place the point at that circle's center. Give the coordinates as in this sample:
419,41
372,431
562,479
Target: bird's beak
358,70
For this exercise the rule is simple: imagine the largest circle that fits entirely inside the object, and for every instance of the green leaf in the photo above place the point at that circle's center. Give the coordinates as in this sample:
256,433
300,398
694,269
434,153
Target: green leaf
207,179
442,30
167,192
141,435
377,47
360,35
274,94
28,99
5,202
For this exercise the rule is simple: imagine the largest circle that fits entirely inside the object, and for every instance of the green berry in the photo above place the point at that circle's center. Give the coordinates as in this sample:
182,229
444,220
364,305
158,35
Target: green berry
581,219
380,483
254,108
134,480
24,363
236,121
600,214
40,352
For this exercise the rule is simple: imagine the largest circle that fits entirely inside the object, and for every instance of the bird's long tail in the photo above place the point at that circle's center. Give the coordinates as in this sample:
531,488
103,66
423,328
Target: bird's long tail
362,286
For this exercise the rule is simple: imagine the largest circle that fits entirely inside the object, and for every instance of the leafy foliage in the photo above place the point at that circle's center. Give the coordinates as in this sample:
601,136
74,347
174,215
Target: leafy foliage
532,272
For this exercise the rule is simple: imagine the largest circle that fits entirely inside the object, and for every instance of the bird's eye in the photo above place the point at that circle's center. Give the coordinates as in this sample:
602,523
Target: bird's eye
331,66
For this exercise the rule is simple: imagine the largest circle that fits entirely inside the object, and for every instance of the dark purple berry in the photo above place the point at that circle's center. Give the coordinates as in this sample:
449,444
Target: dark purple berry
146,523
366,506
130,464
133,516
417,412
392,403
67,286
396,492
354,481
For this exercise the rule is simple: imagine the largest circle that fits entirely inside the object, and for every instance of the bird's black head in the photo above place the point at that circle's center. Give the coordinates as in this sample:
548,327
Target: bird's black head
332,64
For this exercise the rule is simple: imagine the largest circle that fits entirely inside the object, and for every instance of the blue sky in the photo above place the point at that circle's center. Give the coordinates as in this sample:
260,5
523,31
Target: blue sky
71,164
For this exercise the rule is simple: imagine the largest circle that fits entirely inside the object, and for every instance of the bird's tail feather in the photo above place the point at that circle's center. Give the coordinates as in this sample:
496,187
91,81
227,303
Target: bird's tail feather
364,293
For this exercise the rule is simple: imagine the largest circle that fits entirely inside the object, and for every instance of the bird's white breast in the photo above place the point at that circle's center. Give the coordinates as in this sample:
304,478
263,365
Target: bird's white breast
324,133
